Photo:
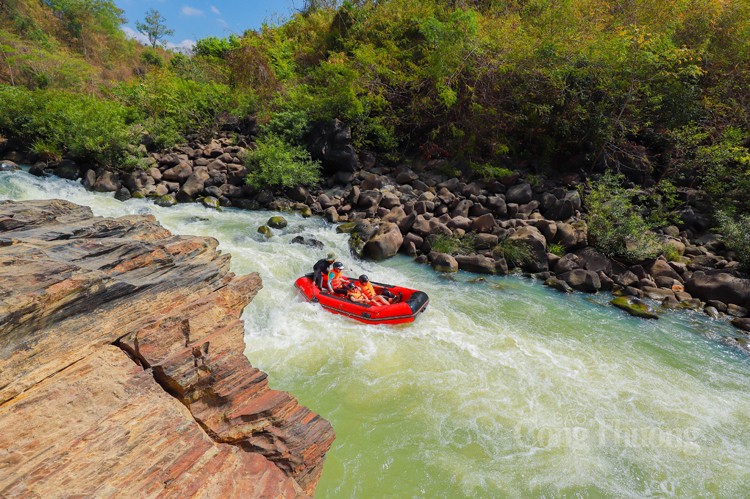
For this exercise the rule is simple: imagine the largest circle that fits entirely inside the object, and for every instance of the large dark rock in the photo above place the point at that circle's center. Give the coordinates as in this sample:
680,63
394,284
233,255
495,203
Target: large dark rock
194,184
67,169
519,194
537,245
582,280
443,262
331,144
107,181
720,286
476,263
385,243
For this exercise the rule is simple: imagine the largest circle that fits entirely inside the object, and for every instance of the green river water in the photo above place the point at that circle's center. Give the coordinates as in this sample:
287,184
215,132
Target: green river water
502,388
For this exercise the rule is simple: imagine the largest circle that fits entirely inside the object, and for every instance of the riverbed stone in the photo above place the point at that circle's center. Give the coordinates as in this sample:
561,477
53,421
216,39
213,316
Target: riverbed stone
277,222
519,194
582,280
385,243
443,262
537,245
634,307
720,286
741,324
558,284
484,223
479,264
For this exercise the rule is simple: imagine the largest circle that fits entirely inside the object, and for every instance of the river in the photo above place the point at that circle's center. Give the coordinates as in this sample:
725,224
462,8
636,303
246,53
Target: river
502,388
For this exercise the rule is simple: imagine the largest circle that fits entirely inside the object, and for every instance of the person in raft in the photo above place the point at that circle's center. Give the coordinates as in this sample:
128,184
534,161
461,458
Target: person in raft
321,268
366,286
335,279
355,294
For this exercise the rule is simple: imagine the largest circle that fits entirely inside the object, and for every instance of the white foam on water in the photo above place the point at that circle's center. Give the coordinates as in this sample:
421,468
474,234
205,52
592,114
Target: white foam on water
501,388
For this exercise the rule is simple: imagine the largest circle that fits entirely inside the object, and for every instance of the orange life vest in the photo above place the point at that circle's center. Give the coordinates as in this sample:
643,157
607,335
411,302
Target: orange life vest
367,289
334,277
356,295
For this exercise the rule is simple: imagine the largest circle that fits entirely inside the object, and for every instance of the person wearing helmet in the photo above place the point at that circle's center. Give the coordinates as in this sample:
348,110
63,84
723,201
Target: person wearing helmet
369,291
336,279
354,293
321,268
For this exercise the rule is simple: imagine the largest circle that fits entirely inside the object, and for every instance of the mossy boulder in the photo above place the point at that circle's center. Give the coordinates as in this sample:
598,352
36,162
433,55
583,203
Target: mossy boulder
277,222
166,200
346,228
265,230
634,307
211,202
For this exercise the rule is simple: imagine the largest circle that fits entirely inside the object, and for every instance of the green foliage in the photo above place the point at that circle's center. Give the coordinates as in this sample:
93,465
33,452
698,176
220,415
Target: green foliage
214,47
274,163
154,28
453,245
516,253
736,231
152,58
489,172
556,249
616,226
55,122
171,107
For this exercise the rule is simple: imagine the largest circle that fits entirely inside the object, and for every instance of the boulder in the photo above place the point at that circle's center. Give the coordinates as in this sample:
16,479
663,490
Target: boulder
178,173
462,223
166,200
369,199
390,201
211,202
661,268
634,307
443,262
476,263
484,223
558,284
385,243
331,144
720,286
741,324
194,184
69,170
591,259
277,222
537,245
8,166
265,231
107,181
122,194
582,280
519,194
572,236
331,214
567,263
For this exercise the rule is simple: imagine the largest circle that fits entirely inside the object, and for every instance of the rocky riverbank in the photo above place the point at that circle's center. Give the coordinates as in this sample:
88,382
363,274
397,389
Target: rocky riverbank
413,209
122,366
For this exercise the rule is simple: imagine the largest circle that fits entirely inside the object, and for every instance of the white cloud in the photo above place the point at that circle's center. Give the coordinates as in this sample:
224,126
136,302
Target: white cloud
185,46
215,10
135,35
222,22
191,11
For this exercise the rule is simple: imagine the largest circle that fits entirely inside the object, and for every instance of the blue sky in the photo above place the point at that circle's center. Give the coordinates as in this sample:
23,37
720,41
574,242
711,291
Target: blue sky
195,19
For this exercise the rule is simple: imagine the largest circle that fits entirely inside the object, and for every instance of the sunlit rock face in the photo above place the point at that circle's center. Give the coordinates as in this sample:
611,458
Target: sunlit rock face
122,366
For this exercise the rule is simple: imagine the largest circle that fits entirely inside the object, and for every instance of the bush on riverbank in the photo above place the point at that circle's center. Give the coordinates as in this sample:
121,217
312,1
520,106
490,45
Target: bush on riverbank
276,163
736,232
57,123
616,226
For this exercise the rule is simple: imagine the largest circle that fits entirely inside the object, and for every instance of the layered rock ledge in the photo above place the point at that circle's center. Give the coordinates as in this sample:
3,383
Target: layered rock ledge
122,368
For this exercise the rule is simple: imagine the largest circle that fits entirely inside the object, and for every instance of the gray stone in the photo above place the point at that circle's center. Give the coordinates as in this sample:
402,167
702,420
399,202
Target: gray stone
519,194
582,280
385,243
476,263
442,262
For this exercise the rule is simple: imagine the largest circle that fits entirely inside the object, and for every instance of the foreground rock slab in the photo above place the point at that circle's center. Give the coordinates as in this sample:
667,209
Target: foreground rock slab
105,323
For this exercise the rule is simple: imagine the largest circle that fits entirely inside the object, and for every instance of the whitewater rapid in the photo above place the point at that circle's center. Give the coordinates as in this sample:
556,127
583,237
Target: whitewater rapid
501,388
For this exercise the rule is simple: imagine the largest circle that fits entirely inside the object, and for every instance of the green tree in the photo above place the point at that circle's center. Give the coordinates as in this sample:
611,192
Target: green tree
154,28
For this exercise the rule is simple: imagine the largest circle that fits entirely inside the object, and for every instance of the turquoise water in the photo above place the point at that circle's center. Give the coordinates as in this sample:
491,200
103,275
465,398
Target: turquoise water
502,388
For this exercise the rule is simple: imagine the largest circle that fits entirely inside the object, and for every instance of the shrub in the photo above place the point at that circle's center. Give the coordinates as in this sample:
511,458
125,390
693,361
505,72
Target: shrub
516,253
616,226
556,249
489,172
453,245
275,163
57,123
736,232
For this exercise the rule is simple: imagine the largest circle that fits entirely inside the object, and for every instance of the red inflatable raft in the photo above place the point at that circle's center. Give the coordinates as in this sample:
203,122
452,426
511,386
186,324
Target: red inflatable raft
408,303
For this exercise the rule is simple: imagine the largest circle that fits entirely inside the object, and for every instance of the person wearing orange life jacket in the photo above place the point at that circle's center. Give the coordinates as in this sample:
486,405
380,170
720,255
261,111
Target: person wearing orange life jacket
335,279
369,291
356,295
